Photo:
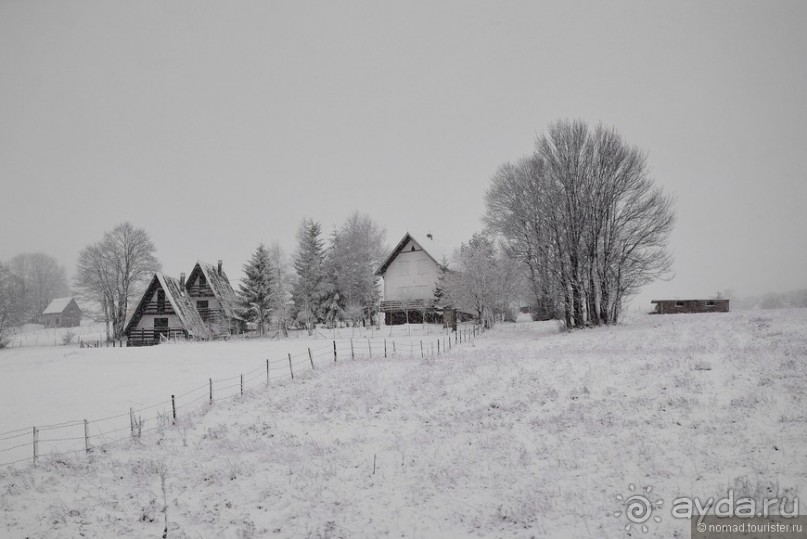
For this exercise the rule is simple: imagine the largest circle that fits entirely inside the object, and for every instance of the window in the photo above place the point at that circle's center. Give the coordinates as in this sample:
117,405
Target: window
160,327
161,303
679,303
710,303
202,307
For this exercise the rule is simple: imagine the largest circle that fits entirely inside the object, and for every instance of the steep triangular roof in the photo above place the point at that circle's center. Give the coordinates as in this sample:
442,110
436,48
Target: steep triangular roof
219,284
438,251
58,305
180,301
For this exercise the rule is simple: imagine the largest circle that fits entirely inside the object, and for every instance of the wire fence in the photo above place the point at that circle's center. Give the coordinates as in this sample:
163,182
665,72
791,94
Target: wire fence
44,336
30,444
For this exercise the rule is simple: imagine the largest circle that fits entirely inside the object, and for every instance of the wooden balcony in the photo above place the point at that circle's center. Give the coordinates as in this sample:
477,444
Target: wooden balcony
150,337
406,305
158,308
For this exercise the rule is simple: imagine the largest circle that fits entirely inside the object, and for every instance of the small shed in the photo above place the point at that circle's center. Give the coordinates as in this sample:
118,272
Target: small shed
62,313
673,306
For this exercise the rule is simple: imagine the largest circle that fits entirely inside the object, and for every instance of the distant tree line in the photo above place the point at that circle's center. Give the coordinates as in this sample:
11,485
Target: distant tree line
28,283
770,300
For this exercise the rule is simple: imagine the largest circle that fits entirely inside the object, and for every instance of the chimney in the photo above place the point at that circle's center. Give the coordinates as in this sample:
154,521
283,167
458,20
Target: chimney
219,268
182,281
429,236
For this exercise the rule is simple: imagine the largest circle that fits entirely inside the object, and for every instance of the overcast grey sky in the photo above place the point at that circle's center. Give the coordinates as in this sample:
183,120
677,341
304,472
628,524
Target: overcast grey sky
217,126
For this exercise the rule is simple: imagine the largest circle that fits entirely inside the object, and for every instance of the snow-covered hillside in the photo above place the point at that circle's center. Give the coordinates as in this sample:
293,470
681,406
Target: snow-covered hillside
523,432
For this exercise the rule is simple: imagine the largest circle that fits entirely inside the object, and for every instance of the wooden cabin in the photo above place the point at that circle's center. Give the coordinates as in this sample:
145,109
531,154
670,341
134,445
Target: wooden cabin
673,306
215,300
62,313
164,312
410,274
203,307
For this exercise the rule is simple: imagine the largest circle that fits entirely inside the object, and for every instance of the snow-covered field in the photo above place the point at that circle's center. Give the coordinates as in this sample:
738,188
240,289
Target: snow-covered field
523,432
39,335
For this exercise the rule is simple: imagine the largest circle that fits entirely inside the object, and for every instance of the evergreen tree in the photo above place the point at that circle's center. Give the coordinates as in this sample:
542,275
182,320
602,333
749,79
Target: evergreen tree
255,291
333,302
309,290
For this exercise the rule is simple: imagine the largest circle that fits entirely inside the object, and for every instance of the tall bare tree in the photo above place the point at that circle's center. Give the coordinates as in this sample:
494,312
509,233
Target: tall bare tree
12,303
482,279
280,296
114,270
42,279
585,217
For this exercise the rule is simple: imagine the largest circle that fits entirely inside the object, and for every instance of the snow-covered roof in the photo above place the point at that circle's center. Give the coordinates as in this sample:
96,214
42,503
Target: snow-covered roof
439,251
221,287
180,301
57,306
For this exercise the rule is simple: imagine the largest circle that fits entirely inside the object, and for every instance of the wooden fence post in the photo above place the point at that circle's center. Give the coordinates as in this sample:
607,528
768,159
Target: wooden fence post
267,372
393,349
311,359
131,420
36,444
438,347
211,391
421,349
352,355
174,408
86,436
242,385
385,348
334,351
290,369
369,349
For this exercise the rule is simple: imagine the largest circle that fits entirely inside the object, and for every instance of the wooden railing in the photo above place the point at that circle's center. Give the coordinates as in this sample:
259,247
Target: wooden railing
406,305
156,308
149,337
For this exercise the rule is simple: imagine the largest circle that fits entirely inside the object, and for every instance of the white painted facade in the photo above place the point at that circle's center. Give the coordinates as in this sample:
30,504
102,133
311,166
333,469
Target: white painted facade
412,275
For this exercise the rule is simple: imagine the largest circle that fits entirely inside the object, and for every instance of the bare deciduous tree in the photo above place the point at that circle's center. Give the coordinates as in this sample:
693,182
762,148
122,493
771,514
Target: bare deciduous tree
42,280
12,303
114,270
280,298
584,216
482,280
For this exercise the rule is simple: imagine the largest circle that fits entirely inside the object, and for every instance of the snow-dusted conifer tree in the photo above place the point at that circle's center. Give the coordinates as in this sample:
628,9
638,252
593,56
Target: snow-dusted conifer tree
255,291
309,291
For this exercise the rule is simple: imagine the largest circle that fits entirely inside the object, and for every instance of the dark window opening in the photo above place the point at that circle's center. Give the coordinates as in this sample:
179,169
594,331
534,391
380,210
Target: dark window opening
710,303
160,327
202,307
679,303
161,303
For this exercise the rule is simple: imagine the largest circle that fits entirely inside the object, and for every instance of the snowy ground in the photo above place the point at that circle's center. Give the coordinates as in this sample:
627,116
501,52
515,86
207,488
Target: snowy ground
39,335
524,432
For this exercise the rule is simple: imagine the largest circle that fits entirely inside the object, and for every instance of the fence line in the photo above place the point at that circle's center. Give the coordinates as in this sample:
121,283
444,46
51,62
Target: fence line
89,435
